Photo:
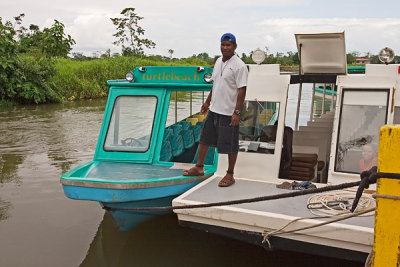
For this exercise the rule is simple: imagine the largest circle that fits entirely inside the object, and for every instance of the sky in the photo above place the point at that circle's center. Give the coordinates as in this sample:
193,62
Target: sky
191,27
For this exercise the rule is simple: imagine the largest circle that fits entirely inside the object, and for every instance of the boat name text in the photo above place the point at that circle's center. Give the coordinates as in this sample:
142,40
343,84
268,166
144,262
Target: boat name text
170,77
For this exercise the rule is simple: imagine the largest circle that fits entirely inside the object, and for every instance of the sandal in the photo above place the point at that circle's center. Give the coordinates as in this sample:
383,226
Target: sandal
194,171
227,180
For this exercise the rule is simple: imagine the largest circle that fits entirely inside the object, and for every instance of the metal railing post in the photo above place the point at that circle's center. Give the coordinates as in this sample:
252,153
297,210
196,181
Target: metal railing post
312,103
298,107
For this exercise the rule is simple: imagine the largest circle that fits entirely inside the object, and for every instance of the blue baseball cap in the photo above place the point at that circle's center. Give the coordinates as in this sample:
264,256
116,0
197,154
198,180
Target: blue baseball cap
228,37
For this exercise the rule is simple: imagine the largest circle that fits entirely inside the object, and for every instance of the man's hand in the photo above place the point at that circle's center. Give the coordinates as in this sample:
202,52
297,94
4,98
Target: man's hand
204,107
235,119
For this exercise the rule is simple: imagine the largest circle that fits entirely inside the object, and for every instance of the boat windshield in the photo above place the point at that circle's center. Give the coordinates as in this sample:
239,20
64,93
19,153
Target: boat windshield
363,112
257,132
131,124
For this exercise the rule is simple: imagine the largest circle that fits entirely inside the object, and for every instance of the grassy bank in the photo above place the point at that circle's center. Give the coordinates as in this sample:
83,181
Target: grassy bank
38,80
87,79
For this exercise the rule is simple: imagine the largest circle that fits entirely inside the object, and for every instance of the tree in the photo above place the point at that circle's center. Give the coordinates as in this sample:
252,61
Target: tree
55,43
8,60
129,32
24,78
51,42
106,54
350,58
170,52
266,50
79,56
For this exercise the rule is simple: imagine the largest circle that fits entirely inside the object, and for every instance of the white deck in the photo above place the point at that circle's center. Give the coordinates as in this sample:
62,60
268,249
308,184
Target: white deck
260,170
354,234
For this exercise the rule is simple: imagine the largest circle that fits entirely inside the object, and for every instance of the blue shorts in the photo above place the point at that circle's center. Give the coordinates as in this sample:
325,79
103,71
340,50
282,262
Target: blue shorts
218,133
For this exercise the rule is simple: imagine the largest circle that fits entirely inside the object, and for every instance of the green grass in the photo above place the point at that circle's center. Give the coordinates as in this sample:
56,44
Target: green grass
87,79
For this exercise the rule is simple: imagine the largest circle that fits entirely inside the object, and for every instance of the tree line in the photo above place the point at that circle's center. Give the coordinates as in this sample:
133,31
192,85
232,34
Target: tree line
27,60
37,66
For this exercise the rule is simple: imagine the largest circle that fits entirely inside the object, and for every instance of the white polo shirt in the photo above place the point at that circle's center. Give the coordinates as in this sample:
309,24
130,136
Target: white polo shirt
228,77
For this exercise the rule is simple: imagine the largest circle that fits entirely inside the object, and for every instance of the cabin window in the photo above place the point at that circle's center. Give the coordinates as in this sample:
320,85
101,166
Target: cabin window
363,112
131,124
257,130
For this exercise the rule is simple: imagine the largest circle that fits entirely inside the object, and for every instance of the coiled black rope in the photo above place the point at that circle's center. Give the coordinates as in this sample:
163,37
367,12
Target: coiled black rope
370,177
367,178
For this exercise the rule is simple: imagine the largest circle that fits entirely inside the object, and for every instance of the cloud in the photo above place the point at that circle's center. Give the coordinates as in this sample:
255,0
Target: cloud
192,27
92,32
267,3
362,34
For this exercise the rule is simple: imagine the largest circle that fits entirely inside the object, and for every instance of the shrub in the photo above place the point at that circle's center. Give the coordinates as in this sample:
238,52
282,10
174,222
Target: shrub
88,79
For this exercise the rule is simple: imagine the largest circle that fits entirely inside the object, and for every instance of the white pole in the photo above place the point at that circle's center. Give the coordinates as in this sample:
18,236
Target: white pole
298,106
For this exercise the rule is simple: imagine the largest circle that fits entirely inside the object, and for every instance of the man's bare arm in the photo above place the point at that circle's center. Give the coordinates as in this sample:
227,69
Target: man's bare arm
239,104
206,104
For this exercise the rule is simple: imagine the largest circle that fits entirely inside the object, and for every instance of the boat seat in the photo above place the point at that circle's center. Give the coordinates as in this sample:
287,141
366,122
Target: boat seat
193,121
210,156
209,160
265,116
177,144
188,138
268,134
196,132
167,133
200,117
166,151
177,128
303,166
185,125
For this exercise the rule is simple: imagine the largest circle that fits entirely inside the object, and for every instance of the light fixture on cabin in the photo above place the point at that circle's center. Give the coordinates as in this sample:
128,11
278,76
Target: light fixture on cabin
200,69
129,76
207,77
142,69
258,56
386,55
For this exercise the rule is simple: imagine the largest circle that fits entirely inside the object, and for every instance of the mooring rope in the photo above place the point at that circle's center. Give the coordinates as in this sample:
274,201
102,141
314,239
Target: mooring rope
246,200
367,178
345,215
386,196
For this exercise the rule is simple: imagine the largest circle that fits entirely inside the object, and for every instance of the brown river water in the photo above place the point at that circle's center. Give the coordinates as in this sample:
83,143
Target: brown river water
39,226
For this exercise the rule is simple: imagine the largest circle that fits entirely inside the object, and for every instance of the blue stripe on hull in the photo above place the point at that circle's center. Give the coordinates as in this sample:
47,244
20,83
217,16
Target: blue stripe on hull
124,195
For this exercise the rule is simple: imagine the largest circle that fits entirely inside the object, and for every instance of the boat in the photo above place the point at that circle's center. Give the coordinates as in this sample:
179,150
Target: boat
326,151
143,149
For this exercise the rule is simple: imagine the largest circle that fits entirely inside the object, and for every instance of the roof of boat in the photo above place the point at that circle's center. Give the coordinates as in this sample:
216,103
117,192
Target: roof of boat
179,77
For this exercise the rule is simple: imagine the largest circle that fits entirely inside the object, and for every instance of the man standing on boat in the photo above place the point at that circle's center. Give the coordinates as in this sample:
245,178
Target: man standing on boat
221,128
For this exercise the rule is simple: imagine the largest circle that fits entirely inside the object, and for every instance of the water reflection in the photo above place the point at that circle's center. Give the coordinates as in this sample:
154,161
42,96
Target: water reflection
162,242
63,132
4,207
9,167
170,245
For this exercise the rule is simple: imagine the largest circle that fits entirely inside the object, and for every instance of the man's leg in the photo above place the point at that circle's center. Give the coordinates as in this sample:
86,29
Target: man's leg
207,138
203,149
198,169
228,178
232,161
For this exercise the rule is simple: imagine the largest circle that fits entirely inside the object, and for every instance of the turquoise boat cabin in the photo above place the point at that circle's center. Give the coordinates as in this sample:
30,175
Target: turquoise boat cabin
143,148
